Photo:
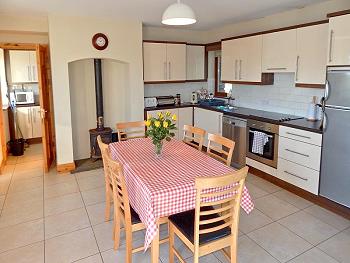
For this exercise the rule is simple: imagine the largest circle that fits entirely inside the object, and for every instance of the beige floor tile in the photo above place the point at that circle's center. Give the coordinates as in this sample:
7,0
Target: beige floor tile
91,182
11,160
26,184
97,213
180,247
328,217
31,173
4,187
5,178
94,196
248,252
70,247
263,184
211,258
60,189
254,191
314,255
63,203
33,253
29,158
281,243
2,200
92,259
308,227
293,199
12,215
29,165
21,198
274,207
66,222
112,256
90,173
21,235
253,221
54,178
8,170
338,246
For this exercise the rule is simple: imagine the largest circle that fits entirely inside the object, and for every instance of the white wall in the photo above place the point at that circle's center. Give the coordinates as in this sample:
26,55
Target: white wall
282,97
174,34
70,40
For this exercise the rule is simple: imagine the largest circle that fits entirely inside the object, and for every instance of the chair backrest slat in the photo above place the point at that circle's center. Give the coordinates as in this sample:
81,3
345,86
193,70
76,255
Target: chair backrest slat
194,136
220,195
103,148
220,154
127,130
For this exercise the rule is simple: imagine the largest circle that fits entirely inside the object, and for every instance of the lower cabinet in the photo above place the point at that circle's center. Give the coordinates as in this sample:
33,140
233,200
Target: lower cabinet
29,122
209,120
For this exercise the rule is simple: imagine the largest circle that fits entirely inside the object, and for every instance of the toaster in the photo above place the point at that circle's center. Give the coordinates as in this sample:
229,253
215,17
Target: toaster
150,102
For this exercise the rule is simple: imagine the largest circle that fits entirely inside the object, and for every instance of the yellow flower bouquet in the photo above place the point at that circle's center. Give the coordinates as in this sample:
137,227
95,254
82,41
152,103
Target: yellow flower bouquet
160,128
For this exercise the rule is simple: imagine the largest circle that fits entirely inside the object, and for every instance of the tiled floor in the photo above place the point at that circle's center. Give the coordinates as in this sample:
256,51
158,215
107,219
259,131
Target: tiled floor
60,218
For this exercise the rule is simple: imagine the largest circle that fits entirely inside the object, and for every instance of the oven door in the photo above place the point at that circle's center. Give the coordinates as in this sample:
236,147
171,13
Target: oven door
268,155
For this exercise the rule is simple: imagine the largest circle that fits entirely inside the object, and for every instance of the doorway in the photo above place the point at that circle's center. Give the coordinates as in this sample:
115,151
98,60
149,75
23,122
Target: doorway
27,99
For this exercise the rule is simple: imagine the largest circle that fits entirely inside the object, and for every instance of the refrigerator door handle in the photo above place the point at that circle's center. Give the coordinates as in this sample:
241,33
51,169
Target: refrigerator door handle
326,91
324,122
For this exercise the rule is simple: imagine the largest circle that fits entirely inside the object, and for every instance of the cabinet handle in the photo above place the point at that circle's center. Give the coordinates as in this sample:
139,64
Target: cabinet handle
302,154
297,69
298,135
169,70
276,68
236,61
297,176
240,69
165,71
330,45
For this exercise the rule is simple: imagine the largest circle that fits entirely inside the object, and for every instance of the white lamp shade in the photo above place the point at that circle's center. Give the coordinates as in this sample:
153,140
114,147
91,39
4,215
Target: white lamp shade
178,14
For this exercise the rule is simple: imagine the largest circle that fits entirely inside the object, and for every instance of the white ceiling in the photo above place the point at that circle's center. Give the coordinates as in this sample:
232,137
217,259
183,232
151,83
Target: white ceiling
210,13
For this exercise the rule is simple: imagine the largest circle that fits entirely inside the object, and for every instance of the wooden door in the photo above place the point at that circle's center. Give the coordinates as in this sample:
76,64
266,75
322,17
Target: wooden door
154,62
176,58
339,41
45,89
311,54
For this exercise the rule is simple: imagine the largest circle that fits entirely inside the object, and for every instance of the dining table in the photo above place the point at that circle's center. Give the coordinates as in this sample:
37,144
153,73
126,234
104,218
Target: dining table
160,186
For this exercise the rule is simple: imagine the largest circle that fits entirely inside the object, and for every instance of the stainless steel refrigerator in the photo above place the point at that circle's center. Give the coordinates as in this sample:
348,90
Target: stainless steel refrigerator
335,166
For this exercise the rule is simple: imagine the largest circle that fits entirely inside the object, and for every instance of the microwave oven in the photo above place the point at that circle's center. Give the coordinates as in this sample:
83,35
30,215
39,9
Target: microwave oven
22,97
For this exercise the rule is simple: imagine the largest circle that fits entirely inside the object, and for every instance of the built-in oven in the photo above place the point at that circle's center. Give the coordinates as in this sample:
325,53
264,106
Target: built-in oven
262,142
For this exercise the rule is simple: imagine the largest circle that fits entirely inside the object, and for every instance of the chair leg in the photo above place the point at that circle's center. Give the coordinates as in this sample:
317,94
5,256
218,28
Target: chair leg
233,253
171,242
116,231
128,239
108,204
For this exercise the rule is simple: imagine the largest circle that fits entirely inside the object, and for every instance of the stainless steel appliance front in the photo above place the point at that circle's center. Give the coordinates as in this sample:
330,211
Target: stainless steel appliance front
236,129
270,148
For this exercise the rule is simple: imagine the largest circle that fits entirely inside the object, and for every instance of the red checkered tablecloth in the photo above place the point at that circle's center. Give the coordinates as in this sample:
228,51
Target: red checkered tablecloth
163,186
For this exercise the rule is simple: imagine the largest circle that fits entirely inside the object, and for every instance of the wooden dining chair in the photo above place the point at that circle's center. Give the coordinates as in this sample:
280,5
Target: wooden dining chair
220,148
108,182
130,130
123,212
194,136
212,225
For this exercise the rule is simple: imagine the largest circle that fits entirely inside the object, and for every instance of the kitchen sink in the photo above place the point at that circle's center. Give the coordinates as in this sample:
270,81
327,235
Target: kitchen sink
226,108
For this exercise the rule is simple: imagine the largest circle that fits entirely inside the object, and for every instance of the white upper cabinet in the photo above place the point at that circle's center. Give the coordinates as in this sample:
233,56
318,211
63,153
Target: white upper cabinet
164,62
279,51
311,54
23,66
241,59
195,56
339,41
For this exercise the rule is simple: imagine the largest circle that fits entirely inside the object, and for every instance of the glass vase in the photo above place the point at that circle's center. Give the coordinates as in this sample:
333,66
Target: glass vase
158,148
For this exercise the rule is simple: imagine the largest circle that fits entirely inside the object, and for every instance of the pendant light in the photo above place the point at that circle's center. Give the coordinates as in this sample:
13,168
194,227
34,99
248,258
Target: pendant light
178,14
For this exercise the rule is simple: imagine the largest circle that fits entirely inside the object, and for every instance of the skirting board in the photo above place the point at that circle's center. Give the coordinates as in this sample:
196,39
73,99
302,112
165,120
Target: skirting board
66,167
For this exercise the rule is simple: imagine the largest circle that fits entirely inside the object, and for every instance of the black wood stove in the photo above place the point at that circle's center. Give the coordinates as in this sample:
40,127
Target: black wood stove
104,132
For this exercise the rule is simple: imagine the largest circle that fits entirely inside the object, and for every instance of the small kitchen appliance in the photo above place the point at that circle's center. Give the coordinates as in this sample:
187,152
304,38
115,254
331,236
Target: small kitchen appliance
150,102
165,100
194,98
22,97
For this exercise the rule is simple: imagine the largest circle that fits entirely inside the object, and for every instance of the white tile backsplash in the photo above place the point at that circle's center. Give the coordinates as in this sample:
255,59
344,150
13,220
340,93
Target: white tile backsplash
282,96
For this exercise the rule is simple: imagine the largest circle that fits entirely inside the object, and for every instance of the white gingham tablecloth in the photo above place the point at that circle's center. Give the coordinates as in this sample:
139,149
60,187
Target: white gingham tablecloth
163,186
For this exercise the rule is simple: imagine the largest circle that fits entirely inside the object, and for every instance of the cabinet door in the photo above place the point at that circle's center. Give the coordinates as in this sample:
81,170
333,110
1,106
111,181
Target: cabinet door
172,111
154,62
339,40
24,122
211,121
20,66
229,60
279,51
185,118
33,66
36,121
176,61
311,54
195,56
250,49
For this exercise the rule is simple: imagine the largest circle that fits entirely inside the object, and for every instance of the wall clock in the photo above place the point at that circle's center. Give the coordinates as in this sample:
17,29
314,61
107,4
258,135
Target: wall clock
100,41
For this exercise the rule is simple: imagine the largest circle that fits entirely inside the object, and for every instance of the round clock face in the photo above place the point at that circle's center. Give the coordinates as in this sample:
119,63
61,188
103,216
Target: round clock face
100,41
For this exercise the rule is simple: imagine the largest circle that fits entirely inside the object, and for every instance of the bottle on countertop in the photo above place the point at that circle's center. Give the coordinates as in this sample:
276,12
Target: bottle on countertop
312,112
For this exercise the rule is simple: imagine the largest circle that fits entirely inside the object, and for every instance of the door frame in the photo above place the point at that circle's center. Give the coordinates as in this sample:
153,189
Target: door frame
51,156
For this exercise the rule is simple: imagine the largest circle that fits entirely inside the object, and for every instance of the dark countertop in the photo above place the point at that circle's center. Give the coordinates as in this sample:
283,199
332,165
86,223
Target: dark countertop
247,113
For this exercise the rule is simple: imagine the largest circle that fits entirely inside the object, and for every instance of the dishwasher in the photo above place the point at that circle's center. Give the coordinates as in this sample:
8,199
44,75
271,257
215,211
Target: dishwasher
236,129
